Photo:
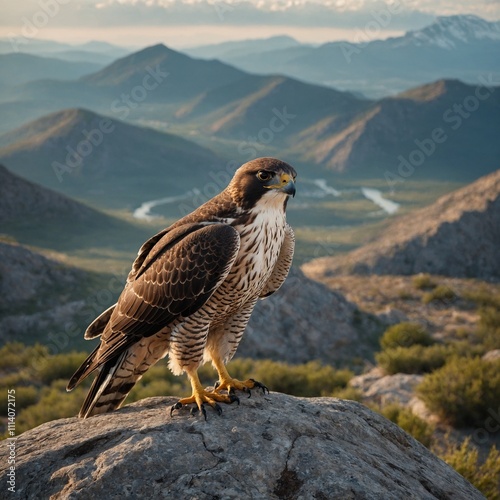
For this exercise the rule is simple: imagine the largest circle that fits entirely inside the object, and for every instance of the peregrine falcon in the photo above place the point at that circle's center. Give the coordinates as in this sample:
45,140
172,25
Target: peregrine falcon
192,289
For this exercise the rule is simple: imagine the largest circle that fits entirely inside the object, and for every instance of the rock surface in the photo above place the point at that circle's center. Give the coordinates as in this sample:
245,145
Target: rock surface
305,320
458,235
37,293
376,387
269,447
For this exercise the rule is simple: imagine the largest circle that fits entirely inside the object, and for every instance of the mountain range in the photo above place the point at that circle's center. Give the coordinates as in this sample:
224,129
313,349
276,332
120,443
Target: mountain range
458,235
20,68
434,131
34,215
83,154
89,52
460,47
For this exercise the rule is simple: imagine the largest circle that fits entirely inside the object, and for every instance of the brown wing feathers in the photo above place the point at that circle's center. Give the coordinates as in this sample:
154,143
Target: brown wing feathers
178,275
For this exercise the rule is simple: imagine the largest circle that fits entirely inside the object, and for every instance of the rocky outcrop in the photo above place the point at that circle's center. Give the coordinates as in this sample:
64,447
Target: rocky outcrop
269,447
377,387
458,235
305,320
39,295
25,275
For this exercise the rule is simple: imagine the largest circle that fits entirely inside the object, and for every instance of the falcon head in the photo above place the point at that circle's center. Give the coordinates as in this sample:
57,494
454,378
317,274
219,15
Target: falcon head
267,180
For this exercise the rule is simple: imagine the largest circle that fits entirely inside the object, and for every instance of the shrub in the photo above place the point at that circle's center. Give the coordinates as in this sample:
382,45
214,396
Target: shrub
462,391
54,403
409,422
423,281
405,335
15,355
349,393
59,366
414,359
441,293
488,330
483,297
464,459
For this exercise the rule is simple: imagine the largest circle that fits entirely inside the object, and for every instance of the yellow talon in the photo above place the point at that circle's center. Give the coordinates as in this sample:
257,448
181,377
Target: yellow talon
200,397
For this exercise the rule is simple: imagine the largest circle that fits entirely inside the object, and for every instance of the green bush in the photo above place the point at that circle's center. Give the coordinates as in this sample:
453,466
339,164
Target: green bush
464,459
15,355
405,335
59,366
414,359
54,403
409,422
462,391
423,281
349,393
441,293
483,297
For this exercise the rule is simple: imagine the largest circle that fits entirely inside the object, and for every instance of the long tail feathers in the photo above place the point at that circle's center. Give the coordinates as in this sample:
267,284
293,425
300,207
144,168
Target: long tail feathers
115,378
110,387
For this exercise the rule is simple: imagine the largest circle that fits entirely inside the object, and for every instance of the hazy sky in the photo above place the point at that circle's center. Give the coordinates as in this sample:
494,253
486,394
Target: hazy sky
182,23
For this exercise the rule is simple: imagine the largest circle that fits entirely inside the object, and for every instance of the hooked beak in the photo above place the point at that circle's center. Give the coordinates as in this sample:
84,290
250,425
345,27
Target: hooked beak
285,185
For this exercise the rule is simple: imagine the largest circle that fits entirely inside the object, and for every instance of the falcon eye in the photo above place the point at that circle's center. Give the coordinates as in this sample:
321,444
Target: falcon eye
263,175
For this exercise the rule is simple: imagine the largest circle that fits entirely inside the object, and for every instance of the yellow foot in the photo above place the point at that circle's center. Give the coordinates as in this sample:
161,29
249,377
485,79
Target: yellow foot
232,384
201,398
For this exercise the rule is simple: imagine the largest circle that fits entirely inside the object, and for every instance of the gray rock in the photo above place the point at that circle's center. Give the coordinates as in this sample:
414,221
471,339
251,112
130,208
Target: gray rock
398,388
492,355
305,320
269,447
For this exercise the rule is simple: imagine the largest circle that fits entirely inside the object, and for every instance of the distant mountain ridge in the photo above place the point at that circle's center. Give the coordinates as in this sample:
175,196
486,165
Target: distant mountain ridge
242,48
394,136
81,153
20,68
458,235
172,75
21,200
452,47
312,124
450,32
34,215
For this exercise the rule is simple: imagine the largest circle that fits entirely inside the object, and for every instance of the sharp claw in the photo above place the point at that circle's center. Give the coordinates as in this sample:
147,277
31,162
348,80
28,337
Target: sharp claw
234,399
218,409
258,385
177,406
203,410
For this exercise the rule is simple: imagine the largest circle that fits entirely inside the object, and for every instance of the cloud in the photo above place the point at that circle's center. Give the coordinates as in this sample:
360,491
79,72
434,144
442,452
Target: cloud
301,13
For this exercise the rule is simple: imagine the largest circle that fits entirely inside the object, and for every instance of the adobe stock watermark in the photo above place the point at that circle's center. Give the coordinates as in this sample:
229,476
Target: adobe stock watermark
32,25
451,120
491,426
92,139
85,147
151,81
249,149
381,19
